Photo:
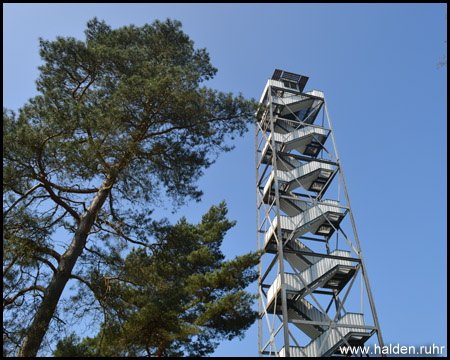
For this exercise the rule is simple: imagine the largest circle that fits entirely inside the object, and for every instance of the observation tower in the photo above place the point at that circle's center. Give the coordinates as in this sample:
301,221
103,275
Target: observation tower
314,292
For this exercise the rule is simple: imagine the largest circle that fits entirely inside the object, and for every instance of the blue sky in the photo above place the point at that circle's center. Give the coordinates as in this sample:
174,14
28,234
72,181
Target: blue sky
376,64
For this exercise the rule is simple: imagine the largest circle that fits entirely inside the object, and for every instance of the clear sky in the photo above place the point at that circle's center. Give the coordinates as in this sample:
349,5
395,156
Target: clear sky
376,64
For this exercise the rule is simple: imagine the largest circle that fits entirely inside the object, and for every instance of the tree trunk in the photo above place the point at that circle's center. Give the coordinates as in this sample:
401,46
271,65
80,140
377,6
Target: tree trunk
44,314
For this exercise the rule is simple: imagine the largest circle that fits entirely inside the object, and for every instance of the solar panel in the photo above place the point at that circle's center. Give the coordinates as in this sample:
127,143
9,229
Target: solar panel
299,79
290,76
276,74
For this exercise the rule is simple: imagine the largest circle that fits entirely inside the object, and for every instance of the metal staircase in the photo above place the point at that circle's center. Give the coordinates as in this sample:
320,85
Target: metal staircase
329,341
294,170
324,272
312,175
306,140
320,219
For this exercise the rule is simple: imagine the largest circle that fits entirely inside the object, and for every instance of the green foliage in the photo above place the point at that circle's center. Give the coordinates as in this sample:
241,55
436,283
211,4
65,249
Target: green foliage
70,347
125,101
120,119
180,299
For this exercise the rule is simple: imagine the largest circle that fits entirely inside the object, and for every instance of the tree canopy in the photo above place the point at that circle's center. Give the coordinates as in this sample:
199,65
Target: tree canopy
180,299
119,119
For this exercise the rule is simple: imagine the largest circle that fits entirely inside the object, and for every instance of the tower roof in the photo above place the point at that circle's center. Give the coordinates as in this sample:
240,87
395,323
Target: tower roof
301,80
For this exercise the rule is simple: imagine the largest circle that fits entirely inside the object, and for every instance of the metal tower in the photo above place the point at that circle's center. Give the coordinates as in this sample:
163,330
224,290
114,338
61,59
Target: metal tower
310,261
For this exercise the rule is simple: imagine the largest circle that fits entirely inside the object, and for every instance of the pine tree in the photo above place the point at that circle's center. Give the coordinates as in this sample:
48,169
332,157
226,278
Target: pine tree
179,299
119,119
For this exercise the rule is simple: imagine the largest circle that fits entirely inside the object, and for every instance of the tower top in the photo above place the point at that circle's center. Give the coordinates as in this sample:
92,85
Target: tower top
289,77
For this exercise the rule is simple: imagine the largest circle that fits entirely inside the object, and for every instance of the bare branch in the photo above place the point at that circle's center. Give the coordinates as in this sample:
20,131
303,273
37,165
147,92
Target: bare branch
13,261
88,284
22,197
72,190
58,219
87,86
22,292
118,232
47,184
48,263
58,200
79,84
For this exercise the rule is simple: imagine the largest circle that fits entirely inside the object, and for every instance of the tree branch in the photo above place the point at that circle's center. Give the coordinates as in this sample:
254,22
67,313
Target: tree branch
99,156
122,235
88,284
22,292
46,183
79,84
58,200
45,261
190,126
43,249
72,190
87,86
22,197
8,267
58,219
109,278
